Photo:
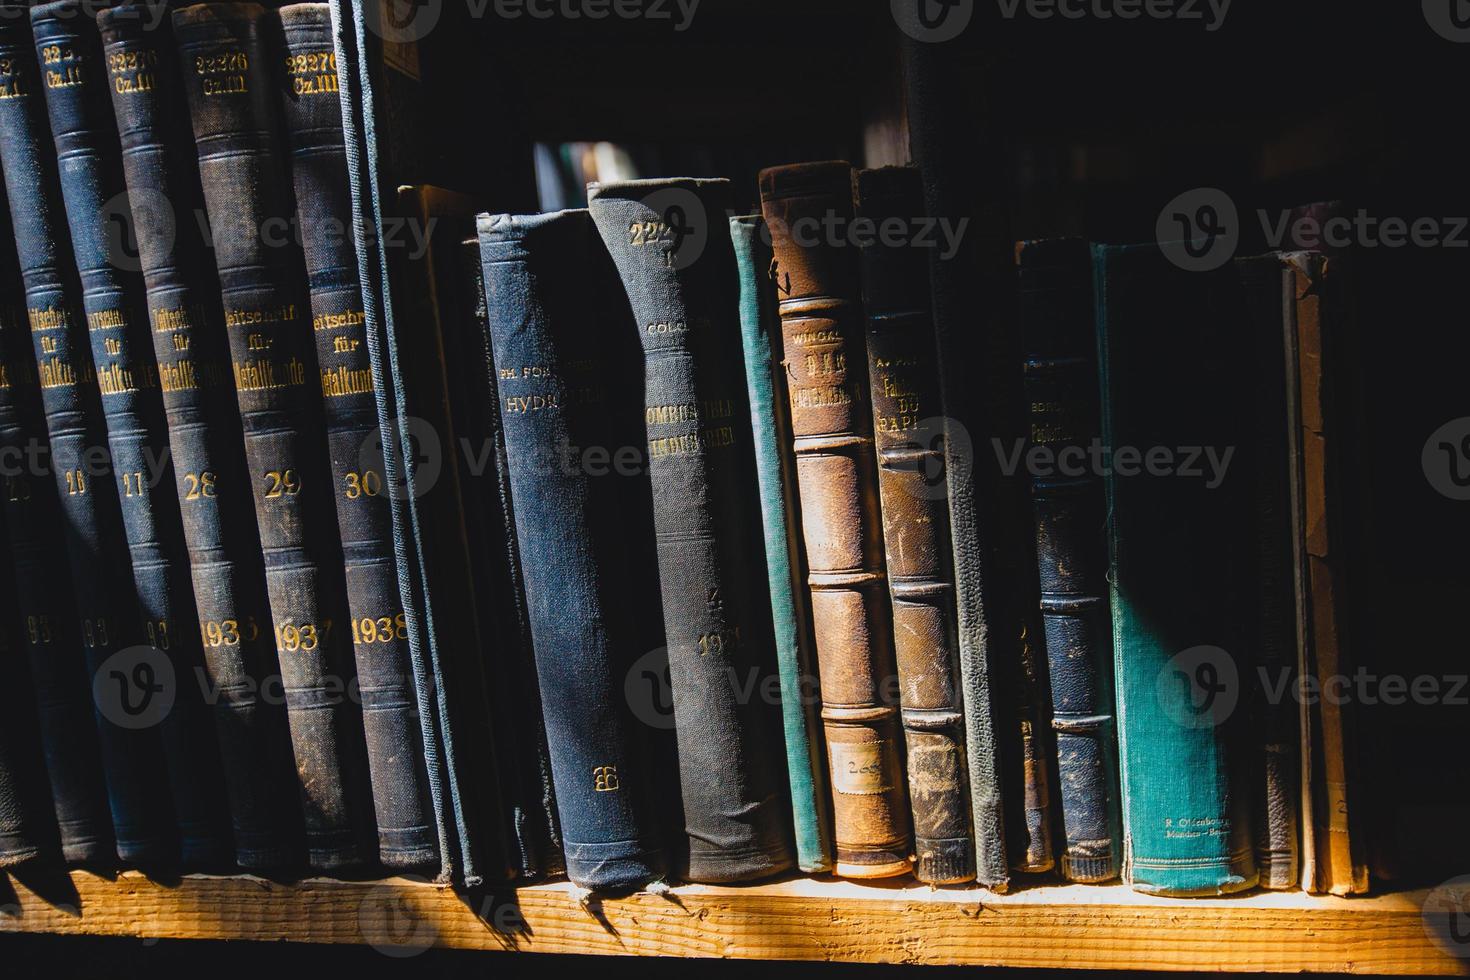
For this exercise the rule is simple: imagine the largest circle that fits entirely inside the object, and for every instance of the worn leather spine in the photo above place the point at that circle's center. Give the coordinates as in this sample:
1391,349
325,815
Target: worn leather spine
903,378
312,114
770,416
1176,553
1055,307
964,182
209,475
550,324
1269,285
515,697
93,190
227,54
1335,800
832,424
91,527
717,616
48,627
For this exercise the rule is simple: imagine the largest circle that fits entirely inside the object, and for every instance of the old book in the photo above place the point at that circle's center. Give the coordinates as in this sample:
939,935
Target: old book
819,287
25,827
1055,309
92,536
770,415
963,184
192,355
1335,853
1178,532
234,106
717,615
549,286
47,619
312,114
523,757
1271,289
903,376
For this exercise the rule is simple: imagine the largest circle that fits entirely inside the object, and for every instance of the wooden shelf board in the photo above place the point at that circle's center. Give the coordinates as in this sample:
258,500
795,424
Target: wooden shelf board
808,919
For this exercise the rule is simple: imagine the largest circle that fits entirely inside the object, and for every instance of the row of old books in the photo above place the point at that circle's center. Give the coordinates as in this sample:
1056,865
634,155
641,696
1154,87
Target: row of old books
643,542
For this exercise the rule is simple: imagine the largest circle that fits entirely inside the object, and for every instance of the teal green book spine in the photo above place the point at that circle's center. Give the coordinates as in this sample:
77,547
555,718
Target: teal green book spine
760,338
1170,349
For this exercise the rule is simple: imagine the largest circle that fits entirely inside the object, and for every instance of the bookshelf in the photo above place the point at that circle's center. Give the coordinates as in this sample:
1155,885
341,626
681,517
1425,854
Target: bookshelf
1058,927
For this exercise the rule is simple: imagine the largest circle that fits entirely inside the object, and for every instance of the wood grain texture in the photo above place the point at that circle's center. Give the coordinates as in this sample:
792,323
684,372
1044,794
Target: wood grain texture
809,919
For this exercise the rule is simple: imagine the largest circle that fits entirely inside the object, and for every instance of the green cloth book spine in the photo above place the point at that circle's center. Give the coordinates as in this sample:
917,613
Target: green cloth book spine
1171,351
760,338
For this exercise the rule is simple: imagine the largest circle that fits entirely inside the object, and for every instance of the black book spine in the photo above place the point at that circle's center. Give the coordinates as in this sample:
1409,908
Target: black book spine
520,736
552,325
227,57
191,351
1055,307
42,587
24,823
91,526
717,610
312,113
89,159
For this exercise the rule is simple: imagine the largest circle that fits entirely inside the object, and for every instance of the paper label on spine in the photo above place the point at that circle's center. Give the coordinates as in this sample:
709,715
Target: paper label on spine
858,768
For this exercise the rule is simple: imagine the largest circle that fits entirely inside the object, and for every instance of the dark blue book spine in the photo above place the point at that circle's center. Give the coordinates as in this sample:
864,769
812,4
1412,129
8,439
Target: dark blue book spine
25,829
192,354
1055,306
227,57
43,587
549,324
717,612
91,526
88,158
312,112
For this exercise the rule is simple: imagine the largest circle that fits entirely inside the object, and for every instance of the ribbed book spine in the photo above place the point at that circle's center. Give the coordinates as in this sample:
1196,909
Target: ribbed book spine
312,113
474,401
192,354
819,287
1180,653
549,322
226,57
770,416
1055,307
717,616
908,429
48,632
91,529
89,160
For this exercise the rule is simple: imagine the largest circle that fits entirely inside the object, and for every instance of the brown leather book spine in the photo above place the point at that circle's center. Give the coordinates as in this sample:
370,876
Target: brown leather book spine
818,280
908,427
1339,862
